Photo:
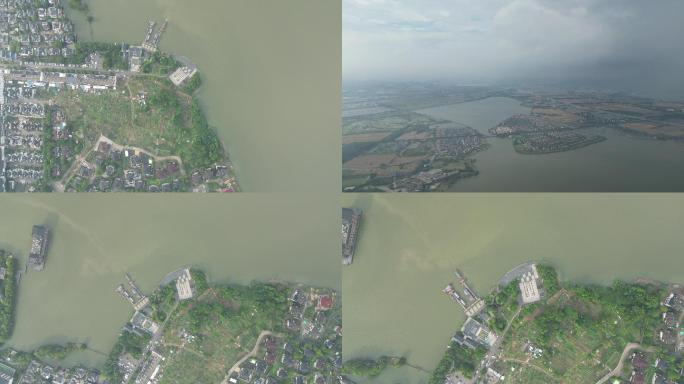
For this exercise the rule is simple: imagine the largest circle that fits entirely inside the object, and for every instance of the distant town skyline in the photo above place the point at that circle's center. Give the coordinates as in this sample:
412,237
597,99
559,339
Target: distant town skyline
622,45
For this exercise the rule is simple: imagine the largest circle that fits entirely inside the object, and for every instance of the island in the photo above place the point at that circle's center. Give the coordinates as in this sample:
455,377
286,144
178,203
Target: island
553,142
366,367
535,328
79,116
190,330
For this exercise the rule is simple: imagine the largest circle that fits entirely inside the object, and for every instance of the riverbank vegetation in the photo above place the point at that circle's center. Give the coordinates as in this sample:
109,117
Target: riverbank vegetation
52,353
457,359
159,63
193,84
127,343
58,351
575,334
579,329
366,367
7,294
221,315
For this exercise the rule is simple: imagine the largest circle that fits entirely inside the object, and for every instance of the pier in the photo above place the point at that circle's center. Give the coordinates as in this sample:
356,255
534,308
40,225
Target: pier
132,293
469,300
152,37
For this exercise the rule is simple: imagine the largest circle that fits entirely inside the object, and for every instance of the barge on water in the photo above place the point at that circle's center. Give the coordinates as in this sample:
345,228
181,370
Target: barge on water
351,219
39,244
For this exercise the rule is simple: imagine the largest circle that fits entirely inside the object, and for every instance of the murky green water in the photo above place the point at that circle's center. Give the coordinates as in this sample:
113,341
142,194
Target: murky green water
96,239
271,88
623,163
480,114
410,244
271,78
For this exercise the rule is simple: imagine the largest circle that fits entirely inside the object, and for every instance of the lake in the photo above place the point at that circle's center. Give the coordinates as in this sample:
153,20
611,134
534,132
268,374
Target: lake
623,163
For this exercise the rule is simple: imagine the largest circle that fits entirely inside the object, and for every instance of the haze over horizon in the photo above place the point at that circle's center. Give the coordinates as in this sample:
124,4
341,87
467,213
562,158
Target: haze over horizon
629,45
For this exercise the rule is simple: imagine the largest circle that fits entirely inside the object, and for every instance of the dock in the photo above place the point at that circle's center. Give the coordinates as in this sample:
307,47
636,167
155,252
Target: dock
153,36
132,293
468,299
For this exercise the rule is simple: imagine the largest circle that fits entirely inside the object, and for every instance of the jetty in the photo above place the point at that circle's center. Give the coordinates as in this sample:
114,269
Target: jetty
132,293
451,292
468,299
153,36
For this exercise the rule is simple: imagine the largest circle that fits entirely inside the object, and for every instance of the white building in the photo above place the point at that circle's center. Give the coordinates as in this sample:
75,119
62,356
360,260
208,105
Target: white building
181,74
184,285
528,286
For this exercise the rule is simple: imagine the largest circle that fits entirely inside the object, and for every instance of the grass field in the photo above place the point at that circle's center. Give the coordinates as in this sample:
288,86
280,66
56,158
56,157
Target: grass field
146,111
581,339
224,323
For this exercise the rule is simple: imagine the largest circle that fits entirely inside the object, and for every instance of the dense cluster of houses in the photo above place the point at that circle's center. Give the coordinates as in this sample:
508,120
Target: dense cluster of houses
40,373
34,29
114,168
669,334
649,368
442,144
293,358
24,115
21,135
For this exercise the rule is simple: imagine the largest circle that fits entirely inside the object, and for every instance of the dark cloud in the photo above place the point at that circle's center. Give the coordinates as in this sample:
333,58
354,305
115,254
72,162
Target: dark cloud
629,45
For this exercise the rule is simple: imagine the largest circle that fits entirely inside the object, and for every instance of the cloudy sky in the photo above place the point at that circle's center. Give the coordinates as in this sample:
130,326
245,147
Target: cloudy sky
628,44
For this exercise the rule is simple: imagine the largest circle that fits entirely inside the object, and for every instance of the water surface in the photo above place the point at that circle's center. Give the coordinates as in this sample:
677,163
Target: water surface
97,239
623,163
480,114
409,246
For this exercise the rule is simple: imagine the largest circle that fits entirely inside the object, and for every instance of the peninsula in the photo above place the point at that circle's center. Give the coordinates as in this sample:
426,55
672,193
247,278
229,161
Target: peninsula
534,328
80,116
190,330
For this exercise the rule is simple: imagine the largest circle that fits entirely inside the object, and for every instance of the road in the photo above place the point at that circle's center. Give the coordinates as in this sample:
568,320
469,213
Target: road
527,364
618,369
59,186
494,350
251,353
152,343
